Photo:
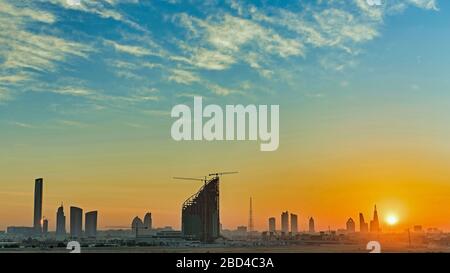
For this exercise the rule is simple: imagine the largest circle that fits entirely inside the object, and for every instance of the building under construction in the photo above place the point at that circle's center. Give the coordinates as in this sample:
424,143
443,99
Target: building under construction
200,213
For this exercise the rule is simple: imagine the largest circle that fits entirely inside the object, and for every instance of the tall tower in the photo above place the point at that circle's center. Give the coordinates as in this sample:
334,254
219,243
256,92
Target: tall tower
272,224
148,221
90,224
76,222
38,184
294,224
363,227
60,221
375,224
311,225
285,222
44,226
250,218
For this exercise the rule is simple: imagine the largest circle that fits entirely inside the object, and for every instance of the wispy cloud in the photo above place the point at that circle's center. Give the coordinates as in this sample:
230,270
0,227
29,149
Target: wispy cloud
129,49
22,124
73,91
183,76
73,123
25,12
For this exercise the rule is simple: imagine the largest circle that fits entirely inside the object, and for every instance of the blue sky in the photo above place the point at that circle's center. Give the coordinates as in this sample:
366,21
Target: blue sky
66,65
118,67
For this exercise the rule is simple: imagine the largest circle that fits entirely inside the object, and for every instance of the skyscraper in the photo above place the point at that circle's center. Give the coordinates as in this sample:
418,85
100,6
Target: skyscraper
200,217
90,225
76,222
350,225
374,224
363,226
285,222
272,224
148,221
45,226
38,184
60,222
294,224
311,225
136,225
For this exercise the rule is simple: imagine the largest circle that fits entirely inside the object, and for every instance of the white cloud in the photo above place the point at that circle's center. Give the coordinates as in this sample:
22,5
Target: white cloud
424,4
73,91
20,12
220,90
132,50
73,123
183,77
22,124
219,42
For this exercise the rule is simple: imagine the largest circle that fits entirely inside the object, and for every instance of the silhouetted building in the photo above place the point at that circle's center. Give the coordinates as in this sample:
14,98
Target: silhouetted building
294,224
250,217
285,222
418,228
200,213
272,224
45,226
90,225
311,225
60,222
137,225
350,225
76,222
37,219
374,224
148,221
363,226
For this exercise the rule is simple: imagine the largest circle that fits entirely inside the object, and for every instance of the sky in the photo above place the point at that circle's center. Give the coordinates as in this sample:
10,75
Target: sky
86,92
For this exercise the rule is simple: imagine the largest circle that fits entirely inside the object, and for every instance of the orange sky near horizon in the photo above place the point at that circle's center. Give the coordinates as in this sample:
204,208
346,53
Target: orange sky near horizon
329,188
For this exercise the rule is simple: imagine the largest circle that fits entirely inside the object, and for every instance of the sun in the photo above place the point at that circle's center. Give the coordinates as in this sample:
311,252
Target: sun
392,219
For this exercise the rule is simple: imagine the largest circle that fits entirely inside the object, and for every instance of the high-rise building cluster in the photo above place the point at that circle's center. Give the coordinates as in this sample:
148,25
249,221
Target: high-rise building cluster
285,227
40,223
374,223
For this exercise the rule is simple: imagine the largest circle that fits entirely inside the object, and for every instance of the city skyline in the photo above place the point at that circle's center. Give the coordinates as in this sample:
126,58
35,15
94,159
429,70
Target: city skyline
363,108
288,221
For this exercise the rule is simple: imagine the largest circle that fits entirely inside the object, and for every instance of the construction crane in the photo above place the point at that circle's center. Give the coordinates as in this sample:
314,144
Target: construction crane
204,179
222,173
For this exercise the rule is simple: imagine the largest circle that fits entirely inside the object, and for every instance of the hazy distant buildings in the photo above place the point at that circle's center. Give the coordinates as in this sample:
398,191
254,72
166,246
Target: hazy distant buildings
241,231
272,224
76,222
311,225
285,222
294,224
23,231
418,228
363,226
148,221
60,222
350,225
90,226
374,224
38,190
